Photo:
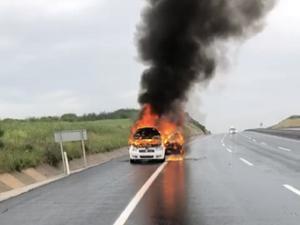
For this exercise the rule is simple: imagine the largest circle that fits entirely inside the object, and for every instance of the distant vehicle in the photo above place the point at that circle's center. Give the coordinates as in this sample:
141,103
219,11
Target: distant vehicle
146,144
174,144
232,130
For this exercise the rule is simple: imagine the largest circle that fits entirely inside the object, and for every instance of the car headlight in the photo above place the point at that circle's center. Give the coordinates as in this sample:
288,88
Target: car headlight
132,148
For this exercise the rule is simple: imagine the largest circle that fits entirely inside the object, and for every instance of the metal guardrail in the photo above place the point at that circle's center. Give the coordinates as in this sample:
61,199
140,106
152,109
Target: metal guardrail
294,134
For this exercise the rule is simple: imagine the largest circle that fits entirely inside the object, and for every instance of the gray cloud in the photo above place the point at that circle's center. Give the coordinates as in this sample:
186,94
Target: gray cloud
83,48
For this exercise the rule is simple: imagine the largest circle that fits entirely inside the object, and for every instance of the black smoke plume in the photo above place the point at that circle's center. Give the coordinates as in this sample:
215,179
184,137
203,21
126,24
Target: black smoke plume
178,41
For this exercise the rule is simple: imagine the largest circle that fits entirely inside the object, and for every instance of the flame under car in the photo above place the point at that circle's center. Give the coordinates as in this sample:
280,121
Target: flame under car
146,144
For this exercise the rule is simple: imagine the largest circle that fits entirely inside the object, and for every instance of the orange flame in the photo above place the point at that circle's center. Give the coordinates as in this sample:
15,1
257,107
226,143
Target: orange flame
169,130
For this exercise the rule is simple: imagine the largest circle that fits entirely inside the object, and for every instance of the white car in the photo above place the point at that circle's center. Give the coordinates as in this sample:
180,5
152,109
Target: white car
146,145
232,130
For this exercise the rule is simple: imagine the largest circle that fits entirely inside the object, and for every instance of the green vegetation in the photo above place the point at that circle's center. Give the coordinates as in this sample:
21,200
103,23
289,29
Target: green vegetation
195,125
1,135
71,117
30,142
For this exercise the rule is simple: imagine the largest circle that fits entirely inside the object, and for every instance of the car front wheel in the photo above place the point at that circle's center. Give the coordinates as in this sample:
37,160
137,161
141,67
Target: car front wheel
133,161
162,160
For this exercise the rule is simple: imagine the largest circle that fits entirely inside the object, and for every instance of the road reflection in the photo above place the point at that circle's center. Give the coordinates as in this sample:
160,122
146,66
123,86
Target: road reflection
165,201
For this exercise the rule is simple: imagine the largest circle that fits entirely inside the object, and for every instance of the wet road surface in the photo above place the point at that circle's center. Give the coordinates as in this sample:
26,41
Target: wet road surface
243,179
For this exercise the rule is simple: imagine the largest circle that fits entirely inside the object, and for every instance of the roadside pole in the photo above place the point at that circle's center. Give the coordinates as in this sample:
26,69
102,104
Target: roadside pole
67,163
62,153
83,149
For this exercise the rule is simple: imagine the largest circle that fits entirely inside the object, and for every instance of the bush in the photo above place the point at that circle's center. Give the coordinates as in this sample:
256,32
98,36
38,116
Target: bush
1,142
52,155
70,117
28,147
16,160
1,133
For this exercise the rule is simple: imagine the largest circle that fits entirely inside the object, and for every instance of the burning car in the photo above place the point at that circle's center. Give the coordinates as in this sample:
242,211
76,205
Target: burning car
146,144
174,144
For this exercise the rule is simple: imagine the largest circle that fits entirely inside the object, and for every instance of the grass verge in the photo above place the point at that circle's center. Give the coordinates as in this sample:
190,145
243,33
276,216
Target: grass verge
30,143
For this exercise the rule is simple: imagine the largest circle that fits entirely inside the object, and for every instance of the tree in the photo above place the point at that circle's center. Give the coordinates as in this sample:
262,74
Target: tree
70,117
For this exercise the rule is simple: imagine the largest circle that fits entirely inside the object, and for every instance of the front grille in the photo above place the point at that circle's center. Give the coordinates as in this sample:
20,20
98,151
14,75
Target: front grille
146,157
146,150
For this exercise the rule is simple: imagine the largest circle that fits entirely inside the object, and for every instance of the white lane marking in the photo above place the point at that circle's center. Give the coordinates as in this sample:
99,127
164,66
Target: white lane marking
222,141
253,140
246,162
139,195
263,143
224,137
284,149
292,189
229,150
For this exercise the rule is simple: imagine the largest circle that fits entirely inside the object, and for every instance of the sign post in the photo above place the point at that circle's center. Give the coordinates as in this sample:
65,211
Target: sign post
62,153
67,164
83,149
70,136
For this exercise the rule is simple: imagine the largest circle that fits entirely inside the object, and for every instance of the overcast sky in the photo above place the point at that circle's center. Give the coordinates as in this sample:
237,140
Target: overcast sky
60,56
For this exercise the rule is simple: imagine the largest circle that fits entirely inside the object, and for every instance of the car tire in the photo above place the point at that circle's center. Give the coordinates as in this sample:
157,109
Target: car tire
134,161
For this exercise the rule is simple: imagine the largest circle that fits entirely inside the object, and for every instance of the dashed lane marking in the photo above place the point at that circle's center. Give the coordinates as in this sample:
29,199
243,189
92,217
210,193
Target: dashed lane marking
229,150
284,149
292,189
246,162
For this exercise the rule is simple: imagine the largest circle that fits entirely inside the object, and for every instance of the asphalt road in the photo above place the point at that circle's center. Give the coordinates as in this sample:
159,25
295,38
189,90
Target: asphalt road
243,179
288,133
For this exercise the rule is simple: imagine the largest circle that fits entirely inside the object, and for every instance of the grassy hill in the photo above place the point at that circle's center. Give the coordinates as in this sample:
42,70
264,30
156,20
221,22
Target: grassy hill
28,143
291,122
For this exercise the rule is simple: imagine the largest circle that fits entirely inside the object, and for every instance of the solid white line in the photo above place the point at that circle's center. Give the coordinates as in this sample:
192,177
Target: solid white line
284,149
139,195
229,150
246,162
291,188
224,137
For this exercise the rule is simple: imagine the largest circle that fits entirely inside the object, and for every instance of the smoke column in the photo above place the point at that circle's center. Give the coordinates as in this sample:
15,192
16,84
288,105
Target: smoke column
178,41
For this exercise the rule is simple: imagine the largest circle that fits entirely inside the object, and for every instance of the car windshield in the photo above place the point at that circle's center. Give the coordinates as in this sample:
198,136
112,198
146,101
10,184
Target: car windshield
147,133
